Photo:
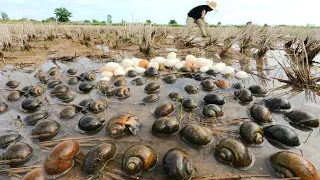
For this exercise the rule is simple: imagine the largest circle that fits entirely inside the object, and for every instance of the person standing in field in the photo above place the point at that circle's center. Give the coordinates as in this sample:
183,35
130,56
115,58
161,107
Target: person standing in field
197,15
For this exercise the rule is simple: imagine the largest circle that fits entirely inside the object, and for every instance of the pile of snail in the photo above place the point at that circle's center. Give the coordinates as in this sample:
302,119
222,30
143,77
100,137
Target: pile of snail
177,163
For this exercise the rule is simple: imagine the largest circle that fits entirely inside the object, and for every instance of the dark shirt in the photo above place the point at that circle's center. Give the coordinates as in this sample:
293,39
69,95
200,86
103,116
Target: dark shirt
197,11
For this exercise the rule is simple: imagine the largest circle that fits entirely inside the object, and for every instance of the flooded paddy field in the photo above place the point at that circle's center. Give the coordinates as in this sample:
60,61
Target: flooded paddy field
202,158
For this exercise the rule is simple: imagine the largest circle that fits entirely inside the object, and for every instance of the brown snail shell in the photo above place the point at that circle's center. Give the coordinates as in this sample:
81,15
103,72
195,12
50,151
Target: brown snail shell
170,79
234,152
107,90
122,92
152,88
243,95
45,129
196,135
223,84
97,106
73,80
211,111
120,82
176,96
260,114
189,104
288,165
178,165
3,107
98,156
36,91
191,89
139,158
59,89
7,139
164,109
12,84
69,112
16,154
36,117
54,71
60,159
166,126
72,71
258,90
86,87
251,133
30,104
53,83
139,81
14,95
151,98
87,76
67,96
120,123
208,85
35,174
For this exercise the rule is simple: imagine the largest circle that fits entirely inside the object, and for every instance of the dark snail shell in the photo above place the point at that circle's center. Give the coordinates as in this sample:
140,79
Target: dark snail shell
26,89
196,135
189,104
3,107
132,73
208,85
17,154
97,106
212,72
199,77
151,98
239,86
214,99
12,84
87,76
139,81
35,174
121,123
73,80
35,118
30,104
36,91
281,136
211,111
152,88
122,92
53,83
14,95
303,117
69,112
90,123
44,79
223,84
85,103
98,156
185,69
288,165
178,165
67,96
260,114
191,89
258,90
60,159
72,71
54,71
86,87
166,126
251,133
7,139
278,104
176,96
164,109
107,90
139,158
45,129
170,79
120,82
59,89
234,152
151,72
243,95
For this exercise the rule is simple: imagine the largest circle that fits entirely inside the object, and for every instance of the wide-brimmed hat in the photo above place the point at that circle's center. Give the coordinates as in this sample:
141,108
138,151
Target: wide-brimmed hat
212,5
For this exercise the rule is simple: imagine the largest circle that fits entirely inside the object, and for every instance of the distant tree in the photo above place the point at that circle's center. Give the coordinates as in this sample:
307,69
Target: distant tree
50,19
4,16
249,23
219,23
172,22
265,25
103,22
87,21
148,22
62,14
94,21
123,22
109,19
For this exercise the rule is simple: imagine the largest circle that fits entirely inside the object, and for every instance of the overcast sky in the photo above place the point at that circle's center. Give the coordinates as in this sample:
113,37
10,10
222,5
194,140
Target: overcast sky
272,12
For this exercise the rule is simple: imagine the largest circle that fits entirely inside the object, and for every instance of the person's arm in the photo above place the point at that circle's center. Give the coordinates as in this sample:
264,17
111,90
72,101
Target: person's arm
203,14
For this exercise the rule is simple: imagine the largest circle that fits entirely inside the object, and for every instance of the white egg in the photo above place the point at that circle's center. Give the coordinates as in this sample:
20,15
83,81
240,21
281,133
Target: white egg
172,55
152,60
204,69
127,63
209,61
120,72
183,62
209,65
191,58
105,79
217,68
170,62
160,60
135,62
139,70
201,62
107,74
112,66
227,70
178,65
241,75
128,69
154,65
223,65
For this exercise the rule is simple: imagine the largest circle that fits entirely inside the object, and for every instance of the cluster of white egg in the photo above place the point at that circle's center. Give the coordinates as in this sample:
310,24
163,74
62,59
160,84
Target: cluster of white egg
140,65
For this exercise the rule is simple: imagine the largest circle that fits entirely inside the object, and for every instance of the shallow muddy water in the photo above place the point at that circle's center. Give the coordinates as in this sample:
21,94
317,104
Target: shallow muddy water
203,159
